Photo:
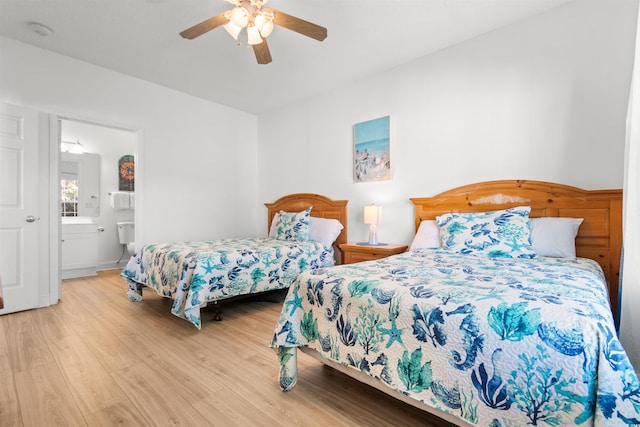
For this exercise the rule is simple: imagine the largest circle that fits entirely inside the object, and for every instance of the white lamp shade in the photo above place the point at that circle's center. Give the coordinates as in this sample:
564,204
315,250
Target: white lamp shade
253,36
259,21
372,214
232,29
240,16
266,29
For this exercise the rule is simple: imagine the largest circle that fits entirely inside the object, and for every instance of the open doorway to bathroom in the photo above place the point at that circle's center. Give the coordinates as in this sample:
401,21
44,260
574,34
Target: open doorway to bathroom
91,164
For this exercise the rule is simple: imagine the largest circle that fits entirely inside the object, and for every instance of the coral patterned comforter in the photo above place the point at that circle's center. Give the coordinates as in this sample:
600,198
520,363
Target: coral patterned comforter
195,273
492,341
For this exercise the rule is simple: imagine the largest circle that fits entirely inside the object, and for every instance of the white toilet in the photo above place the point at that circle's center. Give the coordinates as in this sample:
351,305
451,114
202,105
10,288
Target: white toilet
127,235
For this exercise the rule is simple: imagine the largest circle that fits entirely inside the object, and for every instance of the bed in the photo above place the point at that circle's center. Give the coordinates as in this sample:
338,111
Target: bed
478,328
303,230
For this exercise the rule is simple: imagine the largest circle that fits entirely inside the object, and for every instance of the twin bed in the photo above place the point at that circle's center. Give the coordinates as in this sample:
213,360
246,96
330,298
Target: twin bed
194,274
491,321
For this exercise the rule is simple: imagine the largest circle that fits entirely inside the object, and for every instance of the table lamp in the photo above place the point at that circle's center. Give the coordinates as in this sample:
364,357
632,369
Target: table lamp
373,217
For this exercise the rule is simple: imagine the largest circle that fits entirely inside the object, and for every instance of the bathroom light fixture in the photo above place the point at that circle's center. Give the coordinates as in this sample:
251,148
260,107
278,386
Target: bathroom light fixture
373,217
72,147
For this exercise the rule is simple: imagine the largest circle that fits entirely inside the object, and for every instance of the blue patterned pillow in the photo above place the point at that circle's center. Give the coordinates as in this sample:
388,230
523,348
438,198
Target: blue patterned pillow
499,234
292,225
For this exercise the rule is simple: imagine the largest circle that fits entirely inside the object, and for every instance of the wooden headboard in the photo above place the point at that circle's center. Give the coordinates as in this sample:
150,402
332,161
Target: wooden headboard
599,236
323,207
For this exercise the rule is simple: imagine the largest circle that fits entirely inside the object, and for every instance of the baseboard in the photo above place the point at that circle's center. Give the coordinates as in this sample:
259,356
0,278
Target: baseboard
74,273
111,265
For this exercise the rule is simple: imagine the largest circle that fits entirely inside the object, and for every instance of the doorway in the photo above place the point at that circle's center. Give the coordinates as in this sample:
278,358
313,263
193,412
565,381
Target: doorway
94,152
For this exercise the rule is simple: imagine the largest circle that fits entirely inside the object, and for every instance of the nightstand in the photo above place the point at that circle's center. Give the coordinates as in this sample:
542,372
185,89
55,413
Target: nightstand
353,252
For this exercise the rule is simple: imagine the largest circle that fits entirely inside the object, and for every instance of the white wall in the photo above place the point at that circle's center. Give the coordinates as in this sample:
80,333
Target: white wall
196,172
630,327
544,99
110,144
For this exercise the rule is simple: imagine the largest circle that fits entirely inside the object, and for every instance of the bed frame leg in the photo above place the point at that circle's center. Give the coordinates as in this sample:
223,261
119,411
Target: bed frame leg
217,311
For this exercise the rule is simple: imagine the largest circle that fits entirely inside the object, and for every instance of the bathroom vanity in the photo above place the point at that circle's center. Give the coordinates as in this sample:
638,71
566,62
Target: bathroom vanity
79,247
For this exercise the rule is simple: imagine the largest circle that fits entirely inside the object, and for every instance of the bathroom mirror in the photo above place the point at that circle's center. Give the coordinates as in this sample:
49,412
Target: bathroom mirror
80,184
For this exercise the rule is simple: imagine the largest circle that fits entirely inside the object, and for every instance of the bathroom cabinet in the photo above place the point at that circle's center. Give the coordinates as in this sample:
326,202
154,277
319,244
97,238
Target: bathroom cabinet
79,250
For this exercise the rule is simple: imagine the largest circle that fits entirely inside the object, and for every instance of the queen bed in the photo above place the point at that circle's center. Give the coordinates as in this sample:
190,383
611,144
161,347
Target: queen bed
489,319
303,230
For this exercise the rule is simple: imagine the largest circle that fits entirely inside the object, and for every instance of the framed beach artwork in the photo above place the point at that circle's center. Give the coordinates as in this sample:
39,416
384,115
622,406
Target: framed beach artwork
372,150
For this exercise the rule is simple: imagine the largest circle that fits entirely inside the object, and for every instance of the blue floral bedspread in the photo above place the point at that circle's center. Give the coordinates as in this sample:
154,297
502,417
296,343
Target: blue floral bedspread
493,341
195,273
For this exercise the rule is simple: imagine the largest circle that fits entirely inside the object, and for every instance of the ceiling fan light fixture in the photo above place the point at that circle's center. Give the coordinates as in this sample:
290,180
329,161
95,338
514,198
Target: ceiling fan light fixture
253,35
240,16
259,23
266,29
264,22
232,29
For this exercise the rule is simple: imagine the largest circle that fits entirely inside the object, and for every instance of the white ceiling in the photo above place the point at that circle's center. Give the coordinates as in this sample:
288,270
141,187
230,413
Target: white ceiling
140,38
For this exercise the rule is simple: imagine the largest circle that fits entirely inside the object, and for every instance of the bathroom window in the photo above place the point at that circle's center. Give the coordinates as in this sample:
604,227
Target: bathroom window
69,197
79,184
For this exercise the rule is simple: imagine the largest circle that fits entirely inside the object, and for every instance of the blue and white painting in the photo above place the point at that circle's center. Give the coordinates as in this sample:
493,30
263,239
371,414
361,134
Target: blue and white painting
372,150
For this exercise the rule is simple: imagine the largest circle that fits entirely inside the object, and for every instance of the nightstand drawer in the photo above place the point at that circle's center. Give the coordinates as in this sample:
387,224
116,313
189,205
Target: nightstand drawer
351,257
353,252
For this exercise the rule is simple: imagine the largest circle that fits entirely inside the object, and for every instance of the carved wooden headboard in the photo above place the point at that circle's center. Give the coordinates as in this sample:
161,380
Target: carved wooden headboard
323,207
599,236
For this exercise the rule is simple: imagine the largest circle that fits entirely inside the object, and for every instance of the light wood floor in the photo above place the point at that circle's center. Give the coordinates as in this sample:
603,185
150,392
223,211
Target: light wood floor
96,359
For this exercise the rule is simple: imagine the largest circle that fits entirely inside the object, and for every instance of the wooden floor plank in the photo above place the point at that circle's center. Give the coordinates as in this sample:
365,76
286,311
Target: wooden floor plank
52,326
156,399
26,345
45,399
9,404
123,414
228,408
90,383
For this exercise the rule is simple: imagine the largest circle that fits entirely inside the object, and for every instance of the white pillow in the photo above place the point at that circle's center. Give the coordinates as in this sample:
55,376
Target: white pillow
554,237
324,230
274,225
428,236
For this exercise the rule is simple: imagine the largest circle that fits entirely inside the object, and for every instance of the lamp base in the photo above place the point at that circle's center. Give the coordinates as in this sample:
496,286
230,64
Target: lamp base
371,244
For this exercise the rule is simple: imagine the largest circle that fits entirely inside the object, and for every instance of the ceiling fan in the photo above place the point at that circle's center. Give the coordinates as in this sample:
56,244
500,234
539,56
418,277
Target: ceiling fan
258,22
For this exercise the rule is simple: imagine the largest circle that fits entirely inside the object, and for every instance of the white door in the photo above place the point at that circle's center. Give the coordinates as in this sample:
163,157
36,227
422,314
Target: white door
19,262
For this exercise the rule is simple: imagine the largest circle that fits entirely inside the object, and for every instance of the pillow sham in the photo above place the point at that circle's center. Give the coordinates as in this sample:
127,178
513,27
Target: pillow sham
498,234
555,237
291,226
427,236
274,225
324,230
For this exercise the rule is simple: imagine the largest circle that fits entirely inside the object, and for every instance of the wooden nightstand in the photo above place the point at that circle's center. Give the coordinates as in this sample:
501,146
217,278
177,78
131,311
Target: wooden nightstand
353,252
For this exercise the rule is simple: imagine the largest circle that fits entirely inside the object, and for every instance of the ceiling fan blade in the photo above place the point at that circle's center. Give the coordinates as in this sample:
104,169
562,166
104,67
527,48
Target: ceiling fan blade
298,25
263,56
204,26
